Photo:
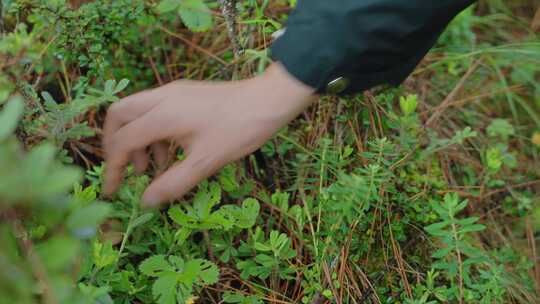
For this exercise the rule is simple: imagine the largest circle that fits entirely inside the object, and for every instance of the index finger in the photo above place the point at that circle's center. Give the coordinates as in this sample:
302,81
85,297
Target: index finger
139,133
119,116
127,110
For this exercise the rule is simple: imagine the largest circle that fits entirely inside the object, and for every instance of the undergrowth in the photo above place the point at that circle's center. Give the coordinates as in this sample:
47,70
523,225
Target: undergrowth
425,193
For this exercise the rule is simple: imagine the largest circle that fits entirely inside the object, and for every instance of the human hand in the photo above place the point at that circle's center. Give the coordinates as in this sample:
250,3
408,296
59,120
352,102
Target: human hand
213,122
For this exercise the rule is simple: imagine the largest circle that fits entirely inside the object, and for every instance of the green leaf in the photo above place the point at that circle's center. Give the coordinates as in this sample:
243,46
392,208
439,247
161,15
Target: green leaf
39,160
468,221
494,159
472,228
121,86
249,213
103,254
181,235
436,229
451,200
49,101
327,293
196,15
109,86
265,260
181,218
44,177
177,262
83,222
207,197
9,117
6,87
281,199
500,127
441,253
167,6
59,252
142,219
262,247
154,265
227,178
408,104
97,295
461,206
164,288
229,297
209,272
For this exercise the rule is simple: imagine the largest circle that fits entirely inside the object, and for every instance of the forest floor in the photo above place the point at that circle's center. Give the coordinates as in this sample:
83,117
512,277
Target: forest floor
425,193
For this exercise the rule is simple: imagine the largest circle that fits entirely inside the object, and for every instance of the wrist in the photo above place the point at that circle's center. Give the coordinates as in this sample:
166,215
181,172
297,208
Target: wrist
278,95
278,78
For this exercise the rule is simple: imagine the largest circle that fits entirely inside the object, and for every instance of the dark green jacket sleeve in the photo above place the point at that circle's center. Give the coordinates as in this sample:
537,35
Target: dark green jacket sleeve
364,42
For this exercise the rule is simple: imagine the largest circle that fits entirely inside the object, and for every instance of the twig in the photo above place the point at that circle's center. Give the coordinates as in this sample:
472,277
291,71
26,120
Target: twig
508,188
193,45
1,18
155,70
229,13
399,259
34,259
491,93
440,109
208,243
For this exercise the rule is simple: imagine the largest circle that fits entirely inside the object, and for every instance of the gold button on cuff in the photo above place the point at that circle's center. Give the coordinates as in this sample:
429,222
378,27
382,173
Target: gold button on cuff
337,85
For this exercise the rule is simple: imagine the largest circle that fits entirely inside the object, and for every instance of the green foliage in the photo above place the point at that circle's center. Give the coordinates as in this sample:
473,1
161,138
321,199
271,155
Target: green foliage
500,127
83,222
459,34
472,274
354,202
201,216
238,298
9,118
452,232
176,278
408,104
272,257
438,144
429,290
59,122
39,179
194,13
60,223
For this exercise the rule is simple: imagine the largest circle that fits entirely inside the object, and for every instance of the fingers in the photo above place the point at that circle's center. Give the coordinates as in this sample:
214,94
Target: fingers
141,157
180,178
127,110
120,114
160,150
140,160
134,136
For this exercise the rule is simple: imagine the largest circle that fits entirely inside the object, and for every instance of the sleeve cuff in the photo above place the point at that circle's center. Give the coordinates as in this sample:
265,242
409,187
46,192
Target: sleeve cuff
362,43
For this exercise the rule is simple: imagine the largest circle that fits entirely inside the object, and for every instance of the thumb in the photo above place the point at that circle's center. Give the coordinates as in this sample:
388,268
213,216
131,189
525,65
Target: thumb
179,179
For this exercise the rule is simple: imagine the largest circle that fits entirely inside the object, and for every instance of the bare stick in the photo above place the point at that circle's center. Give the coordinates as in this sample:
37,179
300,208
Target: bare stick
449,98
1,17
229,13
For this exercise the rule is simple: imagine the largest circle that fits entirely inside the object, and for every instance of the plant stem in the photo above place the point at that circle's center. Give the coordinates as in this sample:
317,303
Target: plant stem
1,17
36,265
460,262
134,212
229,13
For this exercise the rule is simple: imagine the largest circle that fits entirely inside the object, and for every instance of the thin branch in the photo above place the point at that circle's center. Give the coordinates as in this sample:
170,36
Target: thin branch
450,97
228,8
